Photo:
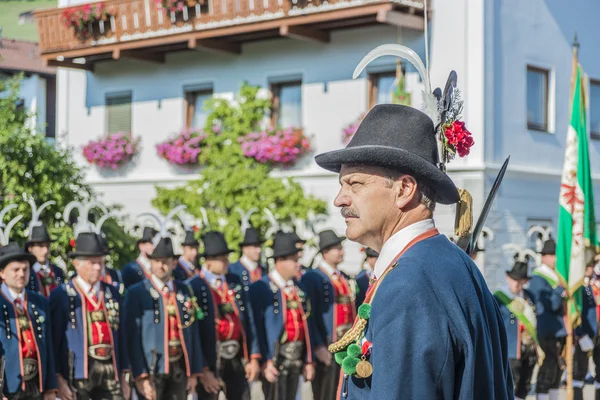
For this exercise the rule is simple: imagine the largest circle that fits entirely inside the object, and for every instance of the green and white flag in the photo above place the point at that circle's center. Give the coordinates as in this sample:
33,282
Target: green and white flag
577,238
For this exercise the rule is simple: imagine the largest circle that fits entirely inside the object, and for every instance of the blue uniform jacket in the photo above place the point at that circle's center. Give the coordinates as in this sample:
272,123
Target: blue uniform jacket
207,328
35,284
511,324
431,340
132,273
589,322
180,273
321,292
362,283
239,270
70,329
10,343
267,307
549,307
146,328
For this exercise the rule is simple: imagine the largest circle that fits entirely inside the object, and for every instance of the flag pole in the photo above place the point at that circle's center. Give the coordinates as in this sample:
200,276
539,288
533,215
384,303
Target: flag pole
570,299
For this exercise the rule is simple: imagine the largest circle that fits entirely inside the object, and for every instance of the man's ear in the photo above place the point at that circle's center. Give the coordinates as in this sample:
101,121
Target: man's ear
406,190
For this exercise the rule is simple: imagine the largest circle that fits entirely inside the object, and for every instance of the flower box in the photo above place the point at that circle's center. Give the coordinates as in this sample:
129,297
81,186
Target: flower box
89,21
281,146
184,148
111,151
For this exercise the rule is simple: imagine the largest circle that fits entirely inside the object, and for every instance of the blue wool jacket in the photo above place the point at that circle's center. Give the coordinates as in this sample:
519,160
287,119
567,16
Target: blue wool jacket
69,329
511,324
145,328
10,345
239,270
34,283
180,273
132,273
549,307
589,322
435,341
362,283
208,329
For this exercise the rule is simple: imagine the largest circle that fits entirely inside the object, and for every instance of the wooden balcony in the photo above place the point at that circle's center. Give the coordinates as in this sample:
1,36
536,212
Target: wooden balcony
140,29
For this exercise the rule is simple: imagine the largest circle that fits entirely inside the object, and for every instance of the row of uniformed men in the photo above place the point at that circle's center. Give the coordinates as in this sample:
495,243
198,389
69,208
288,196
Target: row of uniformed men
533,309
177,328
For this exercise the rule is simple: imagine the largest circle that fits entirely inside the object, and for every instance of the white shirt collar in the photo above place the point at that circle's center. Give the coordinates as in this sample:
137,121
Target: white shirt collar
398,242
279,281
145,263
212,277
329,270
160,284
86,287
37,267
11,295
186,264
249,264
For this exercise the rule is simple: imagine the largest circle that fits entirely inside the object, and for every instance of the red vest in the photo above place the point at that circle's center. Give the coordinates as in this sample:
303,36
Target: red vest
173,324
294,324
227,320
98,326
47,283
345,312
26,335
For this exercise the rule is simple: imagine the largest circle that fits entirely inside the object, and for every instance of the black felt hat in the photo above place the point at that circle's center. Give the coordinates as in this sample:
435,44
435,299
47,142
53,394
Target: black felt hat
215,244
87,244
164,249
251,238
549,247
400,138
14,252
297,238
39,234
284,245
147,235
519,271
371,253
104,244
190,239
328,238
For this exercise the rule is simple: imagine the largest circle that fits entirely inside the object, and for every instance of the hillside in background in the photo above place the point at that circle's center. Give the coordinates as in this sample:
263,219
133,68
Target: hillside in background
9,18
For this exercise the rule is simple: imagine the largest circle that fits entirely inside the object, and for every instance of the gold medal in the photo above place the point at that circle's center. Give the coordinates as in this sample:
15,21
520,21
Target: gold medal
364,369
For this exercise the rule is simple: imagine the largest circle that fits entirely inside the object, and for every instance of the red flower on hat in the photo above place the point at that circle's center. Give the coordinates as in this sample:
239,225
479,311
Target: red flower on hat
72,242
196,228
459,137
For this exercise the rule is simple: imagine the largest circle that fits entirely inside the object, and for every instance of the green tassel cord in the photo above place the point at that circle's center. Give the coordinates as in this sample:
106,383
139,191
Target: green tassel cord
354,350
349,365
340,356
364,311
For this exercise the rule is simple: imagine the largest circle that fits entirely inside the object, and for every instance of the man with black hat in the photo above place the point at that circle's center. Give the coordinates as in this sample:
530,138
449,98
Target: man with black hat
44,276
25,332
391,177
109,274
333,311
548,293
138,270
300,243
520,321
163,339
185,267
87,329
227,331
283,323
363,278
248,267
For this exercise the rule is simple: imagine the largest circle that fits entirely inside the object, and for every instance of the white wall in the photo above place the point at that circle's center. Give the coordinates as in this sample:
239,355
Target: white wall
33,92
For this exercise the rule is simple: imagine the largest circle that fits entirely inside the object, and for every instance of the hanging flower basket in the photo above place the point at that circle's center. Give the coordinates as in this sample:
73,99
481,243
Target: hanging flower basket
276,146
184,148
111,151
349,131
85,20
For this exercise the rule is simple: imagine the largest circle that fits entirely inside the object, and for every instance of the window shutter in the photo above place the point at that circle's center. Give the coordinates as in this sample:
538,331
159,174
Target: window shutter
118,113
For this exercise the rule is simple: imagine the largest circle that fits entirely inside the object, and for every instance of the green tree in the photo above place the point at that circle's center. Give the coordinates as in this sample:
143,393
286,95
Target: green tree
229,180
30,167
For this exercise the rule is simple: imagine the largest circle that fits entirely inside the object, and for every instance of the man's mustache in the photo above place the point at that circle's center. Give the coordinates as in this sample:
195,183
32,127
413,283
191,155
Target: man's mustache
349,212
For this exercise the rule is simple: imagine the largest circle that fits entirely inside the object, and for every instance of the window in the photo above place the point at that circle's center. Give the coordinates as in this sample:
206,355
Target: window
196,114
537,98
118,112
381,87
287,104
595,109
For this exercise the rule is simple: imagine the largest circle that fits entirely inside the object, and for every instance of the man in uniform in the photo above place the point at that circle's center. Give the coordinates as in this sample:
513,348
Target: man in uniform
548,295
44,276
248,267
25,333
333,311
138,270
520,322
363,278
414,338
109,274
185,267
279,306
227,330
163,340
584,335
87,329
